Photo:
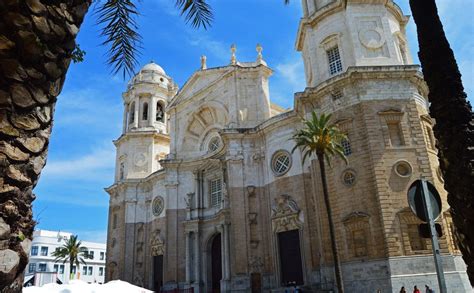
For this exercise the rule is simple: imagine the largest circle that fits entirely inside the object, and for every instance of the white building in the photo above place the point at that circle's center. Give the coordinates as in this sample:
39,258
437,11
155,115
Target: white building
43,267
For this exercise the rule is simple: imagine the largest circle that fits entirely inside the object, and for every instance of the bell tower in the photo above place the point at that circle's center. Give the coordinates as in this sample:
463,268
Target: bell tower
334,35
145,138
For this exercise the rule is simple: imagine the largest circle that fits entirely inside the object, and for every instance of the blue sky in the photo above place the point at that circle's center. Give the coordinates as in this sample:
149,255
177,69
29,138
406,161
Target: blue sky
70,193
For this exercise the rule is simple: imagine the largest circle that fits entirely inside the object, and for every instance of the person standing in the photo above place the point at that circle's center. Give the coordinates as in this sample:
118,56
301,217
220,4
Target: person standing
428,289
416,290
402,290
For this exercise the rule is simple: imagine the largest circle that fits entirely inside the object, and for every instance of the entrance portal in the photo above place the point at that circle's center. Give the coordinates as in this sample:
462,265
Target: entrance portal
157,273
216,264
256,282
290,258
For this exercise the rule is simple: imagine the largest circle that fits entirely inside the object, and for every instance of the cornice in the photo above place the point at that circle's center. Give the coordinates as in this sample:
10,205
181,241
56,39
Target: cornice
356,73
153,133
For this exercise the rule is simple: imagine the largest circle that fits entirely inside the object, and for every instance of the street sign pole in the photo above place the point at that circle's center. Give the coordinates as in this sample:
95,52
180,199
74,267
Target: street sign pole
434,239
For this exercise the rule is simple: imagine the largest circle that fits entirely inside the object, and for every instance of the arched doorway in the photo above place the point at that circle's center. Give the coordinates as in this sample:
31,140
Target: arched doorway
157,272
216,264
291,265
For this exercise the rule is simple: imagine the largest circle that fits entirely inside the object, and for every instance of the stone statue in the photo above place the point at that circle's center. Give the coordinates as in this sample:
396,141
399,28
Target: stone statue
159,113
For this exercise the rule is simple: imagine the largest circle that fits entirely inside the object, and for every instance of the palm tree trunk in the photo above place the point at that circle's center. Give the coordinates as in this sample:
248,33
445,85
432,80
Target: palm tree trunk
37,39
71,264
332,229
454,127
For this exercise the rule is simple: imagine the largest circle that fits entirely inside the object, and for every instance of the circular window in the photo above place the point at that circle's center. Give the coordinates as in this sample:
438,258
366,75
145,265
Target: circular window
214,144
281,162
403,169
349,177
158,205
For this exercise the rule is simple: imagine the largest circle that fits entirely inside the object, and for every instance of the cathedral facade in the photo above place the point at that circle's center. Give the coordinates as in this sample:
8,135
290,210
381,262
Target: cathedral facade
208,195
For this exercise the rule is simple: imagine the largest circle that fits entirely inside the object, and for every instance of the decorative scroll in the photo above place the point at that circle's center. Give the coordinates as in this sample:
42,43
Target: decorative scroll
285,214
157,244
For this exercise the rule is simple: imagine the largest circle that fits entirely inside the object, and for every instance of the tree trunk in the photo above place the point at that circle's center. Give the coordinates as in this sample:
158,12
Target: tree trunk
332,229
454,127
71,264
37,38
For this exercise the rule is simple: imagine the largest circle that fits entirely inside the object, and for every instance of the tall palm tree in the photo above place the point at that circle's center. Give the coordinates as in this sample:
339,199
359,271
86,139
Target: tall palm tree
323,139
71,252
37,44
454,127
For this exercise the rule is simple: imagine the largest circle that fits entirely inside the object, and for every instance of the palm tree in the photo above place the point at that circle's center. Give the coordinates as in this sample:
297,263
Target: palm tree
71,252
323,139
37,44
454,127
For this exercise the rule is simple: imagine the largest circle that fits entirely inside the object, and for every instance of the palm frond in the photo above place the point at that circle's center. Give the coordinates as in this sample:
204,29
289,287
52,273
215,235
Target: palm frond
319,137
197,12
120,30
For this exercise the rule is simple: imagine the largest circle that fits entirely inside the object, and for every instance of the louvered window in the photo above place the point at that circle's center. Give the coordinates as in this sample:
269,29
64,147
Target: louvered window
334,59
215,188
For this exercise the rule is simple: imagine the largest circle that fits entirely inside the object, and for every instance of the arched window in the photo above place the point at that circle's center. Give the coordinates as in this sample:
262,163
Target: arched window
145,111
160,114
132,113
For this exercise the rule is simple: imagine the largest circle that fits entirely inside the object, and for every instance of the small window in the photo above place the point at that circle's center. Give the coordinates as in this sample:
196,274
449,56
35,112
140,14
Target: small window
114,221
56,268
346,146
214,144
102,255
337,95
160,114
101,271
61,269
132,113
90,270
215,189
122,170
281,162
395,133
73,269
42,267
334,60
32,267
34,250
145,111
44,251
84,270
91,255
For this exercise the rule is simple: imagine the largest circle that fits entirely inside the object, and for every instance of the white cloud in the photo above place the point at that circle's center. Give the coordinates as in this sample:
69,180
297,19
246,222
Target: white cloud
293,73
99,236
94,165
211,47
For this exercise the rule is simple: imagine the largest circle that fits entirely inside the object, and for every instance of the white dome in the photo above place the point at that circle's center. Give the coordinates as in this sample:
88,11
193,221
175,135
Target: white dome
152,66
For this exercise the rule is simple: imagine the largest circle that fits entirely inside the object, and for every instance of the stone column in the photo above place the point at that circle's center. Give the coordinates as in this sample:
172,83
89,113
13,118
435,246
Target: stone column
197,260
151,119
125,120
226,252
188,257
137,113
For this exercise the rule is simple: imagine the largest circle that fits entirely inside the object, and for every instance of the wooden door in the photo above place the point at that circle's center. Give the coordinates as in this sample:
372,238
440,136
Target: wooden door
157,273
216,264
256,281
290,257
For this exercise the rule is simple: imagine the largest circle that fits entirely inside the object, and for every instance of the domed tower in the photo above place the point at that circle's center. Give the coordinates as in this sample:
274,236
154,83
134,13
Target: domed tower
334,35
145,139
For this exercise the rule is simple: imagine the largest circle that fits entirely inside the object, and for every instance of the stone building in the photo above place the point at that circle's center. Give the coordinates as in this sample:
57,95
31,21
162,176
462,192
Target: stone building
208,195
